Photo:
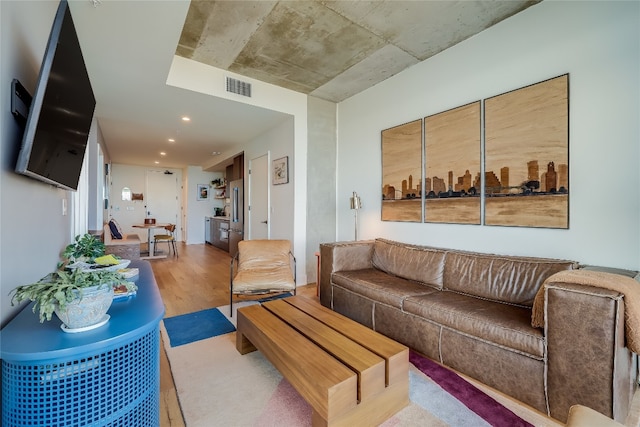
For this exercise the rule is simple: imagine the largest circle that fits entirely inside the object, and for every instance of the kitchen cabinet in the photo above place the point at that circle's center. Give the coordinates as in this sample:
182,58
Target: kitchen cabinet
207,230
238,166
220,232
235,170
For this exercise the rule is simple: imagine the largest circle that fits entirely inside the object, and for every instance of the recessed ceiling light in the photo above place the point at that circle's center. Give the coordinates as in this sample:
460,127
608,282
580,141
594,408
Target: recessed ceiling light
215,153
186,119
172,140
156,162
162,153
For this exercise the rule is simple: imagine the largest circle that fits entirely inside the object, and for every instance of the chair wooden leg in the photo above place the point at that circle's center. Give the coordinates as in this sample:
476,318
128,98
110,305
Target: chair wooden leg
171,244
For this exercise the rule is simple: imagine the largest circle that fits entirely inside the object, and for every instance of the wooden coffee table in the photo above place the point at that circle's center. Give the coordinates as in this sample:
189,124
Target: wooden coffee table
349,374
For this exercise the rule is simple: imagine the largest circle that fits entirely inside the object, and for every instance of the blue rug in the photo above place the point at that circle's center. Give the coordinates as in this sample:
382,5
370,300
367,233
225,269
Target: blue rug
190,327
187,328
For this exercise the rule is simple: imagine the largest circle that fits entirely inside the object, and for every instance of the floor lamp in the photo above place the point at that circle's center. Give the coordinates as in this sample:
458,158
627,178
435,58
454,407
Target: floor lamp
356,204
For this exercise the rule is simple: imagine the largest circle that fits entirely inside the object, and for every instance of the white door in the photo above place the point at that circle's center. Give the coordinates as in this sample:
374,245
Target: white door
161,200
259,227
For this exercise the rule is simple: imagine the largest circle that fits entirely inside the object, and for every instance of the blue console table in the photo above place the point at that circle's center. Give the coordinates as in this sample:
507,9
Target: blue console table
109,376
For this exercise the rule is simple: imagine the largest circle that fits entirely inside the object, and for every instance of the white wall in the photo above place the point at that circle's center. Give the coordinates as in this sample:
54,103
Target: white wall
128,213
285,217
197,210
97,158
33,231
191,75
321,178
278,142
597,43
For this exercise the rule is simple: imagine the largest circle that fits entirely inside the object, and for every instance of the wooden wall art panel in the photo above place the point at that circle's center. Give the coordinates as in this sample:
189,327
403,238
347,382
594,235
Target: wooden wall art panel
402,173
452,154
527,156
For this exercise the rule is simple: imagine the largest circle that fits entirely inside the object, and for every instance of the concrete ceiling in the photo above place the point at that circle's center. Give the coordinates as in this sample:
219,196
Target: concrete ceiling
331,49
328,49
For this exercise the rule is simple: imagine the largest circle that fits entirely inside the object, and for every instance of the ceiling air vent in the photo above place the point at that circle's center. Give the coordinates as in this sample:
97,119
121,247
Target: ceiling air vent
239,87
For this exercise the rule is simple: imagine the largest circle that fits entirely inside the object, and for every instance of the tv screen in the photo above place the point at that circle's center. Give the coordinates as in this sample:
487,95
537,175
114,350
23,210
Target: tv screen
59,119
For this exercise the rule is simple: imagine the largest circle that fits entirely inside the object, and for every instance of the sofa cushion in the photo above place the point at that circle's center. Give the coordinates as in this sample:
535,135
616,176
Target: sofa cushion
417,263
514,280
502,324
379,286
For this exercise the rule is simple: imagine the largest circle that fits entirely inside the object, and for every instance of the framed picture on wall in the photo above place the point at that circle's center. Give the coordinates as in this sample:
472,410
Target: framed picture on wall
452,165
281,170
527,156
402,173
203,192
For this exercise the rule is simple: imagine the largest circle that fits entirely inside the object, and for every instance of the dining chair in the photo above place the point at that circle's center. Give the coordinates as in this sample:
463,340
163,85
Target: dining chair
170,238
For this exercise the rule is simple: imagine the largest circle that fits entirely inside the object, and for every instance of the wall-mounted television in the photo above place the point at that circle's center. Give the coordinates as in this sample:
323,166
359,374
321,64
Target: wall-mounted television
59,119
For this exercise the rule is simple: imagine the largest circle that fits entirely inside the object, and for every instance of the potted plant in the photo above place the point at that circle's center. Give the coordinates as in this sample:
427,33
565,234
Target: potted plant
85,248
80,292
79,298
86,252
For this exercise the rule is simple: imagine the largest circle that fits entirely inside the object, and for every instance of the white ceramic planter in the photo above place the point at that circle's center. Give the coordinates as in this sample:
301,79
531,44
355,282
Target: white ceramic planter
90,308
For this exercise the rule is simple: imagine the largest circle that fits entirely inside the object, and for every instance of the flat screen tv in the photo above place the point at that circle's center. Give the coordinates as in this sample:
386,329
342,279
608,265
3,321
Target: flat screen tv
59,119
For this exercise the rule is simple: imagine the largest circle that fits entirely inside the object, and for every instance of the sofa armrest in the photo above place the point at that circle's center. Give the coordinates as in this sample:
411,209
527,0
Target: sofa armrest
106,235
588,361
342,256
582,416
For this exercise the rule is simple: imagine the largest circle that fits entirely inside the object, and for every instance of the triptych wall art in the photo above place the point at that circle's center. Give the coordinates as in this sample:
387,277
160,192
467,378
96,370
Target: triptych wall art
402,173
523,180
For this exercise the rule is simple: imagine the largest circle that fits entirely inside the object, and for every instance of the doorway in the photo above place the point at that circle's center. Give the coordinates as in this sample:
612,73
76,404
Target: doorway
259,220
162,198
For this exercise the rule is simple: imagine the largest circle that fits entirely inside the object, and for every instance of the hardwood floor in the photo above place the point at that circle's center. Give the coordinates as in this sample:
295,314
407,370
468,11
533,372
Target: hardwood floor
196,280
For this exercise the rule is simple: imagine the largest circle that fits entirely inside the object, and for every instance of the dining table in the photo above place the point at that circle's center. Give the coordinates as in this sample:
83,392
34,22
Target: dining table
151,249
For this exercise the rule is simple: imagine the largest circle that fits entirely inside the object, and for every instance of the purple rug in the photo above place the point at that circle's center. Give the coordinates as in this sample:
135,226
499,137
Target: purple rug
477,401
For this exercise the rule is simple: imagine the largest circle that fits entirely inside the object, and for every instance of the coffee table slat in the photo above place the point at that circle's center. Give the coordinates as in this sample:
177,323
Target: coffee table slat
369,366
324,382
395,354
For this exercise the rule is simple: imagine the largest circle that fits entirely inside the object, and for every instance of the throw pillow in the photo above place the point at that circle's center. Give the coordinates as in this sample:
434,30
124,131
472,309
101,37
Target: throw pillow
118,226
115,233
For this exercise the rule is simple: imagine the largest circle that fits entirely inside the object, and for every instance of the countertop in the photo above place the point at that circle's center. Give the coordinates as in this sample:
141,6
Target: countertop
220,218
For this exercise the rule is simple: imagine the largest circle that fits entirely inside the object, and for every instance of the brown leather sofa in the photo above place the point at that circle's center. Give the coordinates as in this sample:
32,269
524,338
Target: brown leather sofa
473,312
